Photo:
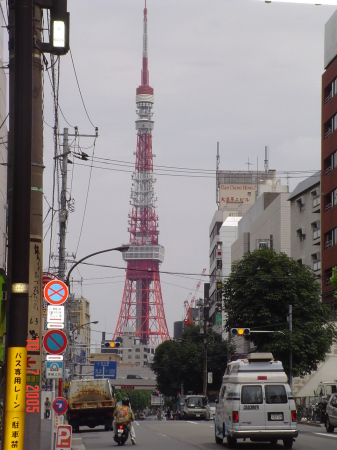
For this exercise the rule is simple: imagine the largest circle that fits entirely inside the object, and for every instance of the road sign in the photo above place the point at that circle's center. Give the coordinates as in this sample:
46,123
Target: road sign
63,437
54,369
55,316
47,276
105,369
56,292
54,357
55,342
60,405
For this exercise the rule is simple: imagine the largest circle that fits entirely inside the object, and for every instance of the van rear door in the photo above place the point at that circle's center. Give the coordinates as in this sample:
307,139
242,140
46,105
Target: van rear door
252,408
278,411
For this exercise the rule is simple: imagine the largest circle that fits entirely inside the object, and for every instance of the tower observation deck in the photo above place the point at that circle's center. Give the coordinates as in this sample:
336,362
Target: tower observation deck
142,306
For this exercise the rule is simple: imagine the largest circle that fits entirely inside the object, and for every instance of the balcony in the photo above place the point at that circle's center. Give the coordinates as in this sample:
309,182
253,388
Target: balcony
327,170
328,206
327,134
328,244
329,97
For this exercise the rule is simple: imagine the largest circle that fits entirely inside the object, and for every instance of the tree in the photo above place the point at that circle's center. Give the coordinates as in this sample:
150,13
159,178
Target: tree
333,279
181,362
257,295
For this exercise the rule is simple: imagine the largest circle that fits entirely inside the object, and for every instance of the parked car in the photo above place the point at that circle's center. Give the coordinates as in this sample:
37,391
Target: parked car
210,411
331,414
142,416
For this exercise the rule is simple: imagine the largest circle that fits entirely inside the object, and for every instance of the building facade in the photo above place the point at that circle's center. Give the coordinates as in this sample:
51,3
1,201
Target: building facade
305,206
329,162
266,224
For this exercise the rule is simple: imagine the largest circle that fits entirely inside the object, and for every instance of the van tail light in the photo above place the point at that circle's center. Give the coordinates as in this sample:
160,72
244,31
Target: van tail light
235,416
293,415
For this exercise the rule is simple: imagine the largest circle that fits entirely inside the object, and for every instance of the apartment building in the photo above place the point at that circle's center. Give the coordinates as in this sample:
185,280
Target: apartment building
329,162
305,228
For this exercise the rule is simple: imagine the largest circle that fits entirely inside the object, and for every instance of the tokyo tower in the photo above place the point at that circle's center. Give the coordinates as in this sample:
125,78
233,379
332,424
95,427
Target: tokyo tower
142,306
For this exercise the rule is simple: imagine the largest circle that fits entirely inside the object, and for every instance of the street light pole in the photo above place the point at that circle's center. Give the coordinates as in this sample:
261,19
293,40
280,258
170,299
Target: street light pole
72,344
122,249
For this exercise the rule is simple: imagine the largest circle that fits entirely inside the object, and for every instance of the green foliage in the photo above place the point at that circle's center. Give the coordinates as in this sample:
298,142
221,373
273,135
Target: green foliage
139,399
333,279
176,363
257,295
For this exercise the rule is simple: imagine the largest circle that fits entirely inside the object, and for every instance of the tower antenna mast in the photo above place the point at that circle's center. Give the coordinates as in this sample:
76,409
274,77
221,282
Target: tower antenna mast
142,308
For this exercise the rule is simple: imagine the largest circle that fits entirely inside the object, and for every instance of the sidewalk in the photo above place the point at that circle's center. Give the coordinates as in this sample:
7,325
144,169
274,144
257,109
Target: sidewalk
76,441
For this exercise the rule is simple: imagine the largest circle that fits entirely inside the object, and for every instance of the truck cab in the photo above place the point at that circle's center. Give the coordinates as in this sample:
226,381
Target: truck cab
255,402
195,407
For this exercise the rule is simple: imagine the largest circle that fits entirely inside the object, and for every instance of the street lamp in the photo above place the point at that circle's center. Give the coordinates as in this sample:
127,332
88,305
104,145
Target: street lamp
122,249
72,344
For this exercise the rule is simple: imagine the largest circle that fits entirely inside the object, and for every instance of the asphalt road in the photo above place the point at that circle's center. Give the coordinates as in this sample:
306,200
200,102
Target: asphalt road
188,435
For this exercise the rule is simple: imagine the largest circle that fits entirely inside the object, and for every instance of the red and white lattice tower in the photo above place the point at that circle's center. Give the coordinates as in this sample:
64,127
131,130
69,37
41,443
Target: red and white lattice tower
142,305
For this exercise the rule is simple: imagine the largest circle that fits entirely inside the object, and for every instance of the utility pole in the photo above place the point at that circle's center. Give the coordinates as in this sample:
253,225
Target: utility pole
19,201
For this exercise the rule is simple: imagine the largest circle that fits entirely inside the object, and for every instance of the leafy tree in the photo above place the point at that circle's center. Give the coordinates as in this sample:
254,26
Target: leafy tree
333,279
257,295
139,399
181,362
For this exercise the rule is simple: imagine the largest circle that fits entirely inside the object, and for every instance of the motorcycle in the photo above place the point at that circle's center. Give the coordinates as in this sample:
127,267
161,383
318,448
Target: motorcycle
121,434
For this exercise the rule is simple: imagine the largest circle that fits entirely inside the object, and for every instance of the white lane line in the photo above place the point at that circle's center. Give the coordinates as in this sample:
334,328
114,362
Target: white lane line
189,421
328,435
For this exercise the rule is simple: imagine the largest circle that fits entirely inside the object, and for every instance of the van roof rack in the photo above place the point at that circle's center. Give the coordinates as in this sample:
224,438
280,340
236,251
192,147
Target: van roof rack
260,357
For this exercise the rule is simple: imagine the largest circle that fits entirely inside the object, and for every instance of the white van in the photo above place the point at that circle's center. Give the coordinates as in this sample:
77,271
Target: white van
255,402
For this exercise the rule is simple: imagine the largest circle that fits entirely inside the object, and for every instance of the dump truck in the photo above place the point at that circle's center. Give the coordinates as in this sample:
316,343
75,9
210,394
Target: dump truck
91,403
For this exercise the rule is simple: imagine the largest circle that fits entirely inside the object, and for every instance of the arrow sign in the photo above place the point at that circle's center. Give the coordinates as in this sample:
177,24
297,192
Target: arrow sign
55,342
60,405
56,292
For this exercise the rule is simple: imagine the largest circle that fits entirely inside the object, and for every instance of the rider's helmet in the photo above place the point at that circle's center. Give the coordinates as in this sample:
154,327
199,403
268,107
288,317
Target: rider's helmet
126,401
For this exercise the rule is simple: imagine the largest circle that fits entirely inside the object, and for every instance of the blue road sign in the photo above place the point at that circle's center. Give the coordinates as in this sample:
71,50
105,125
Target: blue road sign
105,369
54,369
60,405
55,342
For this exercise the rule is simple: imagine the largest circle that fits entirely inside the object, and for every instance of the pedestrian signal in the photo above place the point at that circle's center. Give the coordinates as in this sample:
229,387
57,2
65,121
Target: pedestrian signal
240,331
112,344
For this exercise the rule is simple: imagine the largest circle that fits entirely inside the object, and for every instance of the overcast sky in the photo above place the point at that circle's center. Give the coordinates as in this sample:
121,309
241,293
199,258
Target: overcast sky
239,72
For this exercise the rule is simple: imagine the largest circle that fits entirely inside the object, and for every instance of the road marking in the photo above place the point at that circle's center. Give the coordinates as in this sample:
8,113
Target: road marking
328,435
189,421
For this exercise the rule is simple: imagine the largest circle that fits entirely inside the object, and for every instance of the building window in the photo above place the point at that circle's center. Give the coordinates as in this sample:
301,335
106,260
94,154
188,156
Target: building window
330,126
316,230
301,234
301,203
316,261
330,238
330,199
327,276
137,350
137,357
330,91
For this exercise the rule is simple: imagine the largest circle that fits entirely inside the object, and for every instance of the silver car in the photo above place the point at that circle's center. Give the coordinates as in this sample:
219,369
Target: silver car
331,414
210,411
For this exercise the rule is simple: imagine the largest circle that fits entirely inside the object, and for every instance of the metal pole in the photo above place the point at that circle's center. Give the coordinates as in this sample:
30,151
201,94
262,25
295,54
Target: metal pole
290,348
205,354
52,414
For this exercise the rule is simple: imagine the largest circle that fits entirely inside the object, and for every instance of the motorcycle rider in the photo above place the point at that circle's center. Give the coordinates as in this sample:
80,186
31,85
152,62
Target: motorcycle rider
124,414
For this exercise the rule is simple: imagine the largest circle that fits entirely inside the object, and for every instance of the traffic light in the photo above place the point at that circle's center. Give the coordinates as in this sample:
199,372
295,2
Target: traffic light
219,291
112,344
240,332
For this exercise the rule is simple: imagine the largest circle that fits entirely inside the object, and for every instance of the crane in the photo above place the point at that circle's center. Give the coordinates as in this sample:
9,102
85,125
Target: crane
188,305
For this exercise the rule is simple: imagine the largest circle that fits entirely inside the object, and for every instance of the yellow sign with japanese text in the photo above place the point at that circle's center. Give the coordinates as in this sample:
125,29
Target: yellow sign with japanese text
15,398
